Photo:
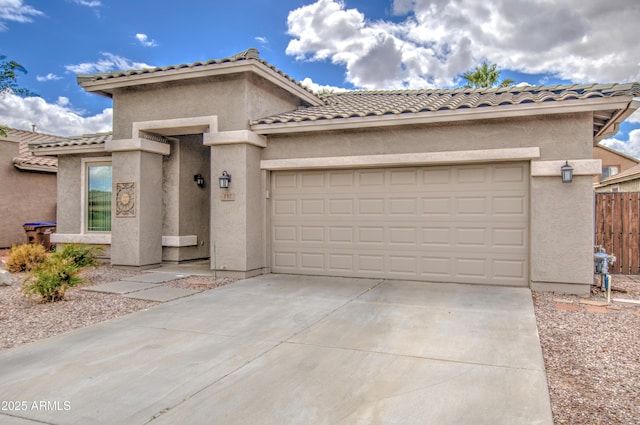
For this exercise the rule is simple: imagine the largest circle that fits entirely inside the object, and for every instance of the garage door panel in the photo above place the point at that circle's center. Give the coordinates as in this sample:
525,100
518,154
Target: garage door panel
436,207
508,270
509,205
509,174
436,176
370,264
312,261
283,233
451,224
341,234
371,207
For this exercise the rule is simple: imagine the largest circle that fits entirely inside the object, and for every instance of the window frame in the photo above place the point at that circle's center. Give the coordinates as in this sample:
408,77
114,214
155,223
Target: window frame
84,193
608,170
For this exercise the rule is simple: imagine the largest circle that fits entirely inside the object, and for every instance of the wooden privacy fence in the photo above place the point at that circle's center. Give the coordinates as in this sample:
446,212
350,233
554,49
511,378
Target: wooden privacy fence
617,225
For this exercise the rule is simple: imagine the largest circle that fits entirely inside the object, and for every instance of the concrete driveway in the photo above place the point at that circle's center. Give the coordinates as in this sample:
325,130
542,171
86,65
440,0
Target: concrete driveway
280,349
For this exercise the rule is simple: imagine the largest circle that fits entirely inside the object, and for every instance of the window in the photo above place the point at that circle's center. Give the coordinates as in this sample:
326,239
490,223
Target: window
609,171
98,204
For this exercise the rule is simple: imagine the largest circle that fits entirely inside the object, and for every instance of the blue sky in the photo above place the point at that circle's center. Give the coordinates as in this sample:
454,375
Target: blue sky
352,44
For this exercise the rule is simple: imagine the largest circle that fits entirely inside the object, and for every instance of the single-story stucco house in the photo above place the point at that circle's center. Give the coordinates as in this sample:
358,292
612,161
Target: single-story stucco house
613,162
452,185
27,185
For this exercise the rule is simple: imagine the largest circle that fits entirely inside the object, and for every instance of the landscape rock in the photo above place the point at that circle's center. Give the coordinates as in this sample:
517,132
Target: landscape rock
5,278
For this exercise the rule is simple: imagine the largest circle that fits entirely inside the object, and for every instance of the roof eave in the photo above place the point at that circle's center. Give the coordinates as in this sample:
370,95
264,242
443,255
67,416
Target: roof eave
429,117
613,125
33,167
105,87
68,150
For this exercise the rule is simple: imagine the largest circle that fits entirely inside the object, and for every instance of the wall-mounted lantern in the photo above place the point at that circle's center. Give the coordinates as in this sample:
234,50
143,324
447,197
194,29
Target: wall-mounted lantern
224,180
199,180
567,172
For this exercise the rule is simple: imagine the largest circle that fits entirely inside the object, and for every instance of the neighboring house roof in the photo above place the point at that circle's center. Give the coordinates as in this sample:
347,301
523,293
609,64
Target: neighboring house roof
433,105
632,173
75,144
25,159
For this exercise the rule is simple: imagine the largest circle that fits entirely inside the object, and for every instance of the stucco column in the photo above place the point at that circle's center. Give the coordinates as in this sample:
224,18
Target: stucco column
136,231
562,216
237,213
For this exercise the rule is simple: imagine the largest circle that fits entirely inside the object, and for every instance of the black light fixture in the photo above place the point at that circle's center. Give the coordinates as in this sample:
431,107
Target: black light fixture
199,180
224,180
567,172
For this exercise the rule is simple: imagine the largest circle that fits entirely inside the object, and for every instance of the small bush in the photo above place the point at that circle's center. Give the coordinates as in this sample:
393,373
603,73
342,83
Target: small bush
52,278
82,255
25,257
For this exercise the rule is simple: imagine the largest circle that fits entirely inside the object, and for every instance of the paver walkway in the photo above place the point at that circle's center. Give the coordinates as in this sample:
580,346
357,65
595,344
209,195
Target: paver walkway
150,285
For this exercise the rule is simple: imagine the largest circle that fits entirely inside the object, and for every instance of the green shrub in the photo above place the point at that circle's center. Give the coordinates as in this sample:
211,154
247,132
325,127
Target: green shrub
51,279
82,255
25,257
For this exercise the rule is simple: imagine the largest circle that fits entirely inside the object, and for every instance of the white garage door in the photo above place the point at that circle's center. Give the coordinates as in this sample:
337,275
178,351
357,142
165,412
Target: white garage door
465,224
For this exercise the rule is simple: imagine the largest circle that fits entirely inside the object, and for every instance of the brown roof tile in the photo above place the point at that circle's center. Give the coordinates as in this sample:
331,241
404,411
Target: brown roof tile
396,102
25,159
249,54
84,140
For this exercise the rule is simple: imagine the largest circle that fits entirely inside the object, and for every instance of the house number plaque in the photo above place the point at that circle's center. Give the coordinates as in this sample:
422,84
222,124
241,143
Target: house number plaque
228,196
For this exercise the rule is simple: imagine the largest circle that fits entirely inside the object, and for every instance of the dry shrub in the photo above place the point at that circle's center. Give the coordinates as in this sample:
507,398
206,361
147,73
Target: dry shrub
25,257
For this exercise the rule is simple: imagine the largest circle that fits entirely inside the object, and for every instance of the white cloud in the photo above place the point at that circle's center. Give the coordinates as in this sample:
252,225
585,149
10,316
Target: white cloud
630,147
88,3
262,40
437,40
16,11
108,62
48,77
144,40
317,88
635,117
58,119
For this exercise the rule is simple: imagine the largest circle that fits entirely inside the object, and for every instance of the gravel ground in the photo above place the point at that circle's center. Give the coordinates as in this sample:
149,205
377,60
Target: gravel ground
24,320
591,352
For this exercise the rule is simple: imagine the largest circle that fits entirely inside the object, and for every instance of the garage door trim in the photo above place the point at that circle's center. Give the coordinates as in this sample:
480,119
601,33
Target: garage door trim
403,159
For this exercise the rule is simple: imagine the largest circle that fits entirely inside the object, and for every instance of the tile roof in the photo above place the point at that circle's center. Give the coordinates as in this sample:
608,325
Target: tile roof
25,159
249,54
84,140
352,104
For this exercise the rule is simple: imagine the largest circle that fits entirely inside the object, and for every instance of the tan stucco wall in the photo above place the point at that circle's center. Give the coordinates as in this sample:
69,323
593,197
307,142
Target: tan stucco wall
185,205
611,159
562,236
137,241
69,194
237,226
563,136
25,196
235,99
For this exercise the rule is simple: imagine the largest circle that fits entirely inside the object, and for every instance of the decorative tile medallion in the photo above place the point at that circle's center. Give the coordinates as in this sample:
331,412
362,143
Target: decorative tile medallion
126,199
